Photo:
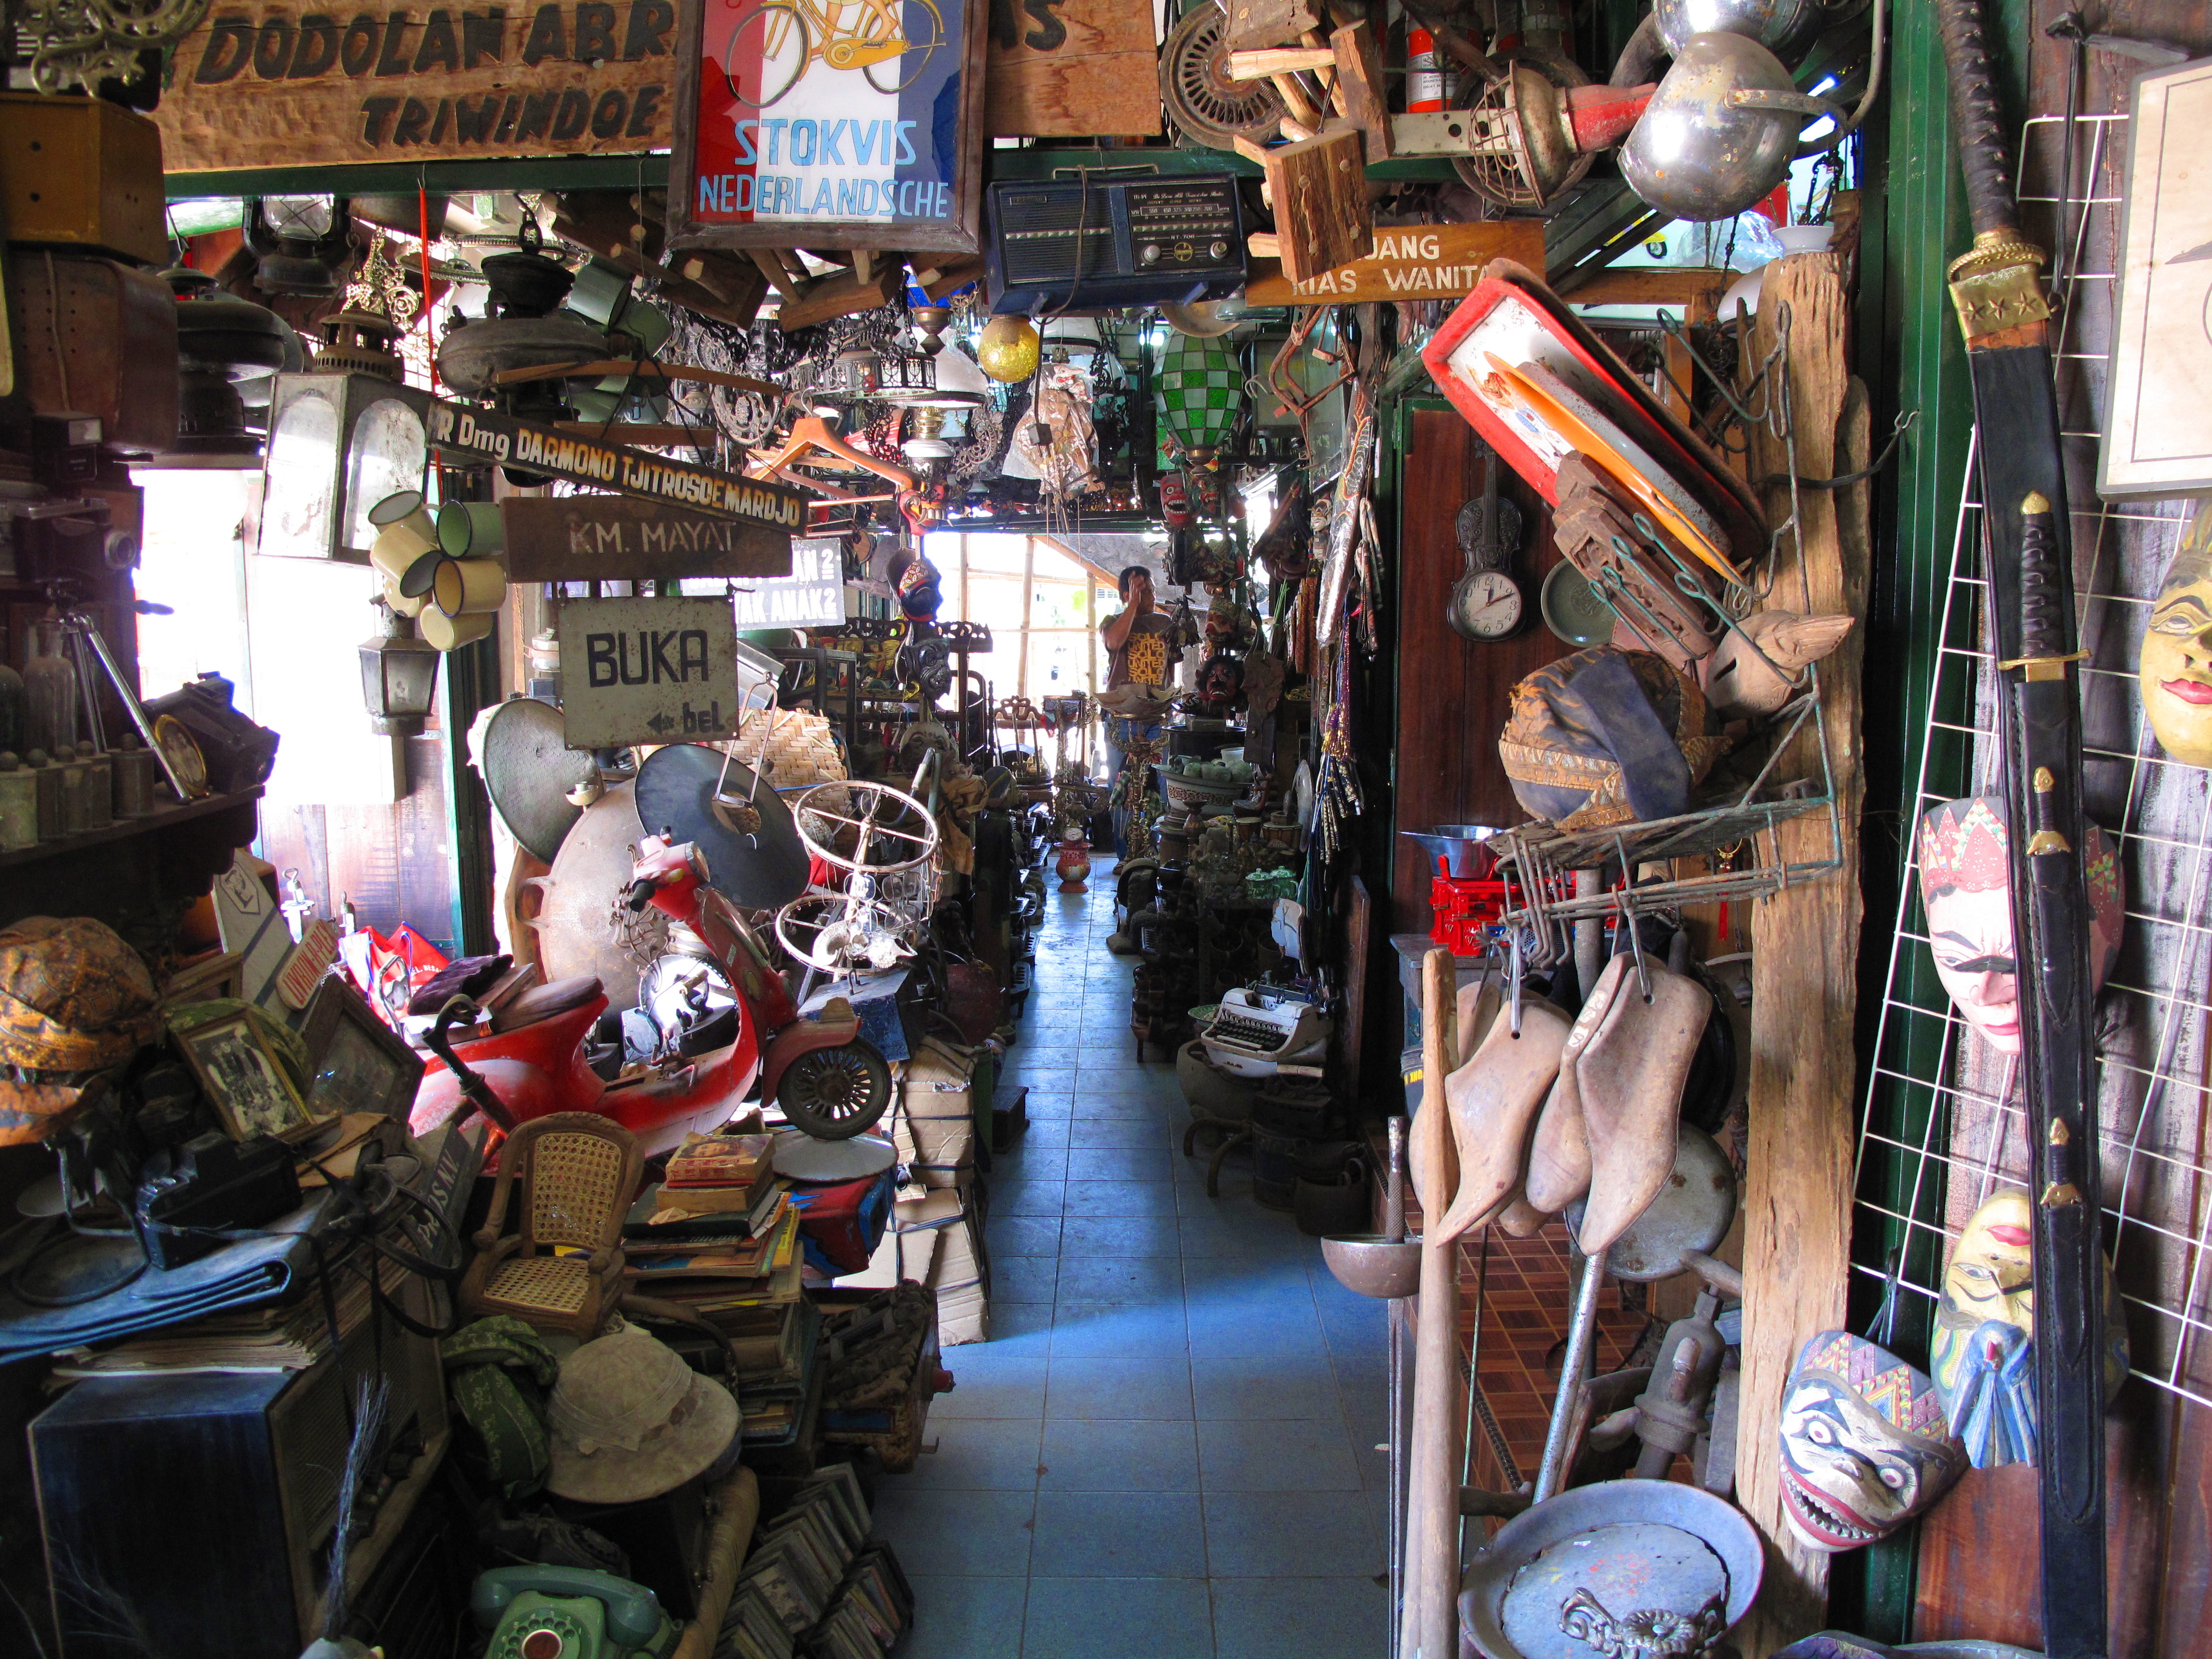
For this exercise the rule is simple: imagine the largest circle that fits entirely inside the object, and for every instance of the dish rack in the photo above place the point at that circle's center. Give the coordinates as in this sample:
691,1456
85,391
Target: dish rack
1741,836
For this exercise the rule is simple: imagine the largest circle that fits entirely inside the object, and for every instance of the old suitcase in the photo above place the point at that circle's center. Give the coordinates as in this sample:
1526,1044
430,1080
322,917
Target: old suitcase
93,337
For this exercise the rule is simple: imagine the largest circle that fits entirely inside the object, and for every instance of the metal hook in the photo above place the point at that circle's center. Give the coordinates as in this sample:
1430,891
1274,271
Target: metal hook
1635,948
1513,982
1885,1316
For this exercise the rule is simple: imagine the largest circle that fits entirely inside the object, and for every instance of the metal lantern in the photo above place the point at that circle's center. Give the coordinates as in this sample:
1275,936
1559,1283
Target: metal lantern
348,434
399,677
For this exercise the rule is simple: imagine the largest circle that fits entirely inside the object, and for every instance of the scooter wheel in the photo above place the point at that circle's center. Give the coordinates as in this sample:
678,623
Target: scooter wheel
833,1094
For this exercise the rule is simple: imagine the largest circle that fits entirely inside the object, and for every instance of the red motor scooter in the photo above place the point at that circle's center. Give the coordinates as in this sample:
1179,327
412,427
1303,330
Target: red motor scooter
827,1078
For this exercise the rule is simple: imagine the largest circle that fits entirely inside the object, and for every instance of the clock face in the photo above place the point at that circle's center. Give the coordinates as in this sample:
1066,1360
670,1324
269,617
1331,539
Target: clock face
1493,605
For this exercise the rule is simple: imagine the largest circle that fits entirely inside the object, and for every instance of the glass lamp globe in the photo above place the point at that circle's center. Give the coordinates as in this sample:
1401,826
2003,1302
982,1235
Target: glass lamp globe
1008,348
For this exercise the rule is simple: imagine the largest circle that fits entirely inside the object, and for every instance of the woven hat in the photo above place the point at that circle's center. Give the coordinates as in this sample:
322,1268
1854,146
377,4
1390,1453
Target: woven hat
631,1421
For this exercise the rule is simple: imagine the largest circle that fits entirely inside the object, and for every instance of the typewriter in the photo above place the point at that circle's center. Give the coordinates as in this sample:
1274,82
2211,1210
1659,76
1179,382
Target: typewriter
1258,1031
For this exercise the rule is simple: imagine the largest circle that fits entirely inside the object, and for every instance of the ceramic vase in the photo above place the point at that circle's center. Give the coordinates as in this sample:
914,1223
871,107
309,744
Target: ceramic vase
1074,867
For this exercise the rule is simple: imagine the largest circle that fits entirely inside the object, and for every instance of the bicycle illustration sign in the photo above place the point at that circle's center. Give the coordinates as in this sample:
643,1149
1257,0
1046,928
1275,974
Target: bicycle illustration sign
831,123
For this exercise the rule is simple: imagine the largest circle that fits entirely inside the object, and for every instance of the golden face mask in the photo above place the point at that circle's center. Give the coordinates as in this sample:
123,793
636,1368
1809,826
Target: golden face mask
2176,664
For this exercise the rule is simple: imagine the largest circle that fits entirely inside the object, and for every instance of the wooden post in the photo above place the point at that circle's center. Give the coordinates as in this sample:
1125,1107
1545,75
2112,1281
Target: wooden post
1429,1625
1805,943
1028,599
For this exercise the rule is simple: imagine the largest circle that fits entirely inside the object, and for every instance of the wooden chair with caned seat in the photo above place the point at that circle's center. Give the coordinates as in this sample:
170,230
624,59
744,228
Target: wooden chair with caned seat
578,1171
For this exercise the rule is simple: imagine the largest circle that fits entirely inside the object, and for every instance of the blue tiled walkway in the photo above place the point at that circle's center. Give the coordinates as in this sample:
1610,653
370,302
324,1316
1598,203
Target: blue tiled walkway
1169,1450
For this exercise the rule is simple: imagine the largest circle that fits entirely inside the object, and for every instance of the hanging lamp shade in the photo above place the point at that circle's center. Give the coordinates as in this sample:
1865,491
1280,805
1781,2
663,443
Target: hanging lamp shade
1202,387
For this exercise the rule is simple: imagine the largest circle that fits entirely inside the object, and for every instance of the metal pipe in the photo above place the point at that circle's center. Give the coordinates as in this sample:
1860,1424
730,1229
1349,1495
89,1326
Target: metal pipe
1550,1474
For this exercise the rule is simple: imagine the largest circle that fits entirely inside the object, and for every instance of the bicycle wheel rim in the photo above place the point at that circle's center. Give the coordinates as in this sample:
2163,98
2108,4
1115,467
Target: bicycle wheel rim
764,17
919,55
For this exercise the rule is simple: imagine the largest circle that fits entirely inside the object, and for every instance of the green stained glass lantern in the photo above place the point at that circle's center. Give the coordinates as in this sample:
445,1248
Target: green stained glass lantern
1201,387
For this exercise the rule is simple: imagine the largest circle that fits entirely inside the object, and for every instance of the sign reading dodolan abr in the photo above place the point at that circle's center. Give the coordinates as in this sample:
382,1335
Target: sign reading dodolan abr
300,83
647,671
483,435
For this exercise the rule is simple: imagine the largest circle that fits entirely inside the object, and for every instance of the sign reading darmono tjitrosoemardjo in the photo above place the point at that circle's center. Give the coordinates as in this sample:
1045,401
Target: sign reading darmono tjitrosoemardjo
288,84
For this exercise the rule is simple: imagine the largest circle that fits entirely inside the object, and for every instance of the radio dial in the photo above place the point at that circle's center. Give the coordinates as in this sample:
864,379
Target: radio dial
1149,254
1217,250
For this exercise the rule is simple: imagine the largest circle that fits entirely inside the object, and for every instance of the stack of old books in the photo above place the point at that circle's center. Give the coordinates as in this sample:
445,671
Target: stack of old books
719,1237
717,1214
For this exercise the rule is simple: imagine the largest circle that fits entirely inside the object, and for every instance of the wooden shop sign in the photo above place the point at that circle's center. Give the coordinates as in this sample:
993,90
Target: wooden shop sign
485,435
579,538
647,671
1410,262
1067,69
292,83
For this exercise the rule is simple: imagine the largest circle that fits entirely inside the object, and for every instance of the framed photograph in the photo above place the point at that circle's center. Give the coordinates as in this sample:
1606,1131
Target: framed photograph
828,124
360,1064
2158,417
250,1092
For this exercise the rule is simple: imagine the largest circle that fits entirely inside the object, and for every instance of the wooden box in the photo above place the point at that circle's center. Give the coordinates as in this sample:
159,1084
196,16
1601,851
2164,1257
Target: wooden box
81,173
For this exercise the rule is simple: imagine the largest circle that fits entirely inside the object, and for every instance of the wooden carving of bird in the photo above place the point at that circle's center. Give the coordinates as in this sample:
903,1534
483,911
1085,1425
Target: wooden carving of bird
1744,683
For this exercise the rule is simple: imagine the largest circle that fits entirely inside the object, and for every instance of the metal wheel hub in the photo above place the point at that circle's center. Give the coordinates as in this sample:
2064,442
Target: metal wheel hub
1208,108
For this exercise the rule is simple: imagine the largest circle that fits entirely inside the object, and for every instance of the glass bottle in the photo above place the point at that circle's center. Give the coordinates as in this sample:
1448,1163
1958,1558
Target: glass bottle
50,685
15,710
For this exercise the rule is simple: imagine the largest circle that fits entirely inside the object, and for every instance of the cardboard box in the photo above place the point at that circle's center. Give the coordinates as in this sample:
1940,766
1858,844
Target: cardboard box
964,1307
938,1152
911,1243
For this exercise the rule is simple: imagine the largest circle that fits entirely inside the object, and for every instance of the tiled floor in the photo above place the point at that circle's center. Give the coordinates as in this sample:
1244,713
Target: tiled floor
1168,1451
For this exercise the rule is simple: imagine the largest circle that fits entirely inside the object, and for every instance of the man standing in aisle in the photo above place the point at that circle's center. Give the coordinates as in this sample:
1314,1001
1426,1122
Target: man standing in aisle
1138,679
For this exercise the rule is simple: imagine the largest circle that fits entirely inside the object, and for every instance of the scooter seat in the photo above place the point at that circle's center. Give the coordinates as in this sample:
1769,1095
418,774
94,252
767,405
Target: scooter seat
544,1002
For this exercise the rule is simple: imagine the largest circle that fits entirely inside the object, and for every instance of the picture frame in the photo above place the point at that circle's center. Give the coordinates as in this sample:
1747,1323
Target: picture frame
918,184
357,1063
2157,430
245,1081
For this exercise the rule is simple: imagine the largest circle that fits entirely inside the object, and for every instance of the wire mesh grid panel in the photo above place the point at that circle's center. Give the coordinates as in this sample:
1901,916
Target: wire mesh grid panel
1944,1126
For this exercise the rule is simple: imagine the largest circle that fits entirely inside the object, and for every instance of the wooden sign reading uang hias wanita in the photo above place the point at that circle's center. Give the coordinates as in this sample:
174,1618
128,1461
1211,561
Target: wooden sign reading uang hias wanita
287,84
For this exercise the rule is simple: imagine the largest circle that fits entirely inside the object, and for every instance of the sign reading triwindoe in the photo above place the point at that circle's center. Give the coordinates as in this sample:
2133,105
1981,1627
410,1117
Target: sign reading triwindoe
301,82
834,123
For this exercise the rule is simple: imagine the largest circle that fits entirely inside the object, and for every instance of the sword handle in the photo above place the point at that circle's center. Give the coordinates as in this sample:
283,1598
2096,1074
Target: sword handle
1974,112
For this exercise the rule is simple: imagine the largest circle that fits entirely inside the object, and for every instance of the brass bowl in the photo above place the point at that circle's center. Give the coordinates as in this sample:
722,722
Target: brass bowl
1371,1265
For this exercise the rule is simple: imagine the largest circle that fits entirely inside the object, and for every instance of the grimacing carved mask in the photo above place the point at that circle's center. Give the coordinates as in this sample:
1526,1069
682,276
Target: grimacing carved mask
2174,667
1983,1352
1966,887
1864,1444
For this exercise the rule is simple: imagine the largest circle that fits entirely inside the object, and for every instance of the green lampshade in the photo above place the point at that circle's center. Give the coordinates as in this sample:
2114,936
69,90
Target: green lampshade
1201,387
